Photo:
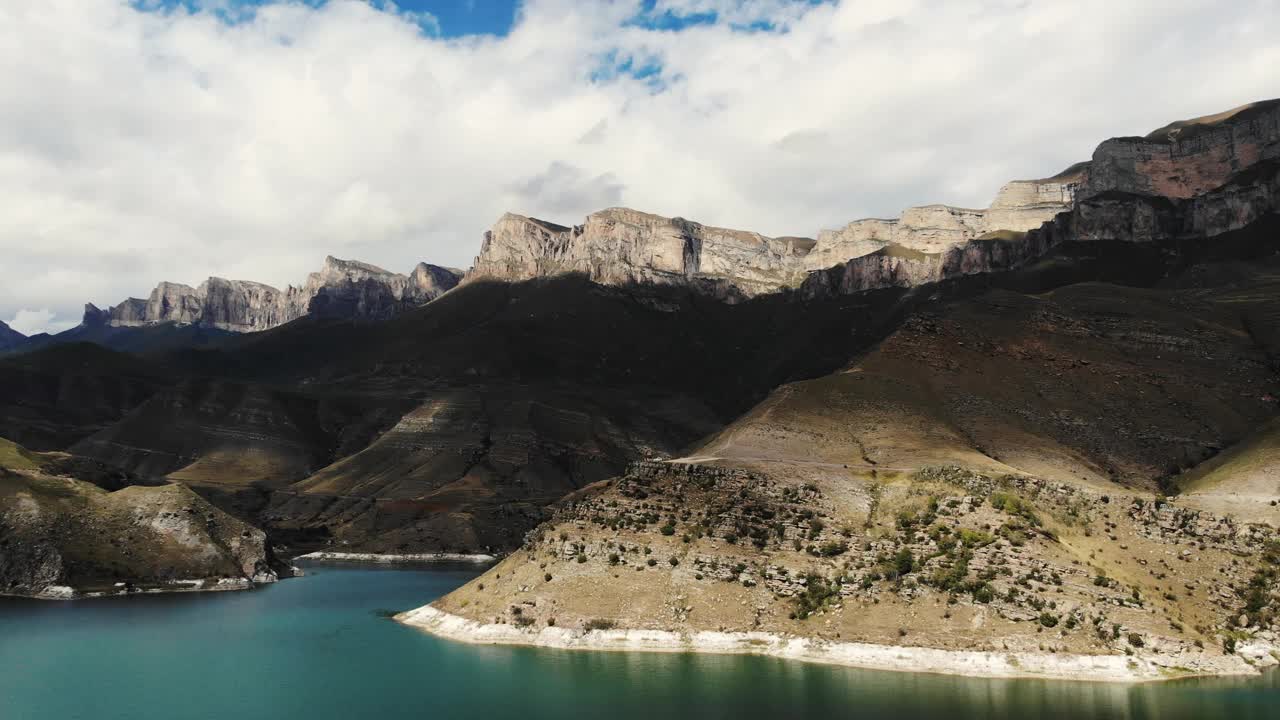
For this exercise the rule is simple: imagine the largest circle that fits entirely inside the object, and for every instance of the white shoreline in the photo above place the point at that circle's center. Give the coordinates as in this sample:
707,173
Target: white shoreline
66,592
442,557
971,663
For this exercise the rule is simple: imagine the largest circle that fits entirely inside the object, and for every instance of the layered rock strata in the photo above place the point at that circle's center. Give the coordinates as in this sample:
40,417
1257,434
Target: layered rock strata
619,246
1249,197
1197,177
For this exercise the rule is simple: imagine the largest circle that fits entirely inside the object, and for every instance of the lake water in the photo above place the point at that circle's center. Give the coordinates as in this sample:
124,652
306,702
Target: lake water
318,647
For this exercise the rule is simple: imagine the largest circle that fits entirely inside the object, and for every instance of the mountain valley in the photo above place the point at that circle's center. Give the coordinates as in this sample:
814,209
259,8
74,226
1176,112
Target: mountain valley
1045,430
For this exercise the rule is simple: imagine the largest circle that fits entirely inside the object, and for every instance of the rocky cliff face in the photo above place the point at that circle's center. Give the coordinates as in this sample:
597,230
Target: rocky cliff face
1192,178
619,246
1019,206
342,288
1117,216
1188,158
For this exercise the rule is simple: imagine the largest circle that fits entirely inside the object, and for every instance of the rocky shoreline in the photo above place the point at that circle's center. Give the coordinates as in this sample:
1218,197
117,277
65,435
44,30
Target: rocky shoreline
390,559
67,592
1251,658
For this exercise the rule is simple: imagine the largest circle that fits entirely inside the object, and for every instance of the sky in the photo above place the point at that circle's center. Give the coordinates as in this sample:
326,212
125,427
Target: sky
149,140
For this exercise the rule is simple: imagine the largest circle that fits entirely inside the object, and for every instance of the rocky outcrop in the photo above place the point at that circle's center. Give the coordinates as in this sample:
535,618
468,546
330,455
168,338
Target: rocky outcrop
10,338
1019,206
351,289
1188,158
342,288
619,246
1113,215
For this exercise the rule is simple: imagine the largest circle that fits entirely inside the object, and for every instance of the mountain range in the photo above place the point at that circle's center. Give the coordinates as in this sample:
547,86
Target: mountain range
176,315
1048,423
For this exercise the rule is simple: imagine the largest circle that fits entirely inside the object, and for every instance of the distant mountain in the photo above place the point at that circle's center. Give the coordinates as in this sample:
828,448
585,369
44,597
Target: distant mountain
154,337
342,288
10,338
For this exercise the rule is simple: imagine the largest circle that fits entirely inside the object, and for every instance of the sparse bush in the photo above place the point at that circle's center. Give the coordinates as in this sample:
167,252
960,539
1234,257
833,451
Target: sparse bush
1014,505
599,624
903,563
818,593
833,548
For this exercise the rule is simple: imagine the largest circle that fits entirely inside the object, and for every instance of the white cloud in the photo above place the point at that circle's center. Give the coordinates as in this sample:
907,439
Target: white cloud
139,146
30,322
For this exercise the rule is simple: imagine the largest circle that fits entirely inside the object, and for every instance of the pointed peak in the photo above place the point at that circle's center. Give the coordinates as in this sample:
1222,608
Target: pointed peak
93,315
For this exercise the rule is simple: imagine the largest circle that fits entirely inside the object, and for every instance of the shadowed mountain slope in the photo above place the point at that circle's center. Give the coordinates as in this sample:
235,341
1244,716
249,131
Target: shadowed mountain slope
1092,382
62,536
52,398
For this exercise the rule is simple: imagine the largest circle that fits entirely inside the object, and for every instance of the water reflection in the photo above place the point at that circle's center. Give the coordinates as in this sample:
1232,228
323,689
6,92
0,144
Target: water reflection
709,686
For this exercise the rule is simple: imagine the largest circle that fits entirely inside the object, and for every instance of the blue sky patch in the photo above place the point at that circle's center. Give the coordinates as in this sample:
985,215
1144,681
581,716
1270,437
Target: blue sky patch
446,18
650,19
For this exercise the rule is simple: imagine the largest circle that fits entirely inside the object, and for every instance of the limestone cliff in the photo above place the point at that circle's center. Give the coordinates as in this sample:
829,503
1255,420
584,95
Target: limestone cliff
1194,178
342,288
1190,157
619,246
1247,198
1019,206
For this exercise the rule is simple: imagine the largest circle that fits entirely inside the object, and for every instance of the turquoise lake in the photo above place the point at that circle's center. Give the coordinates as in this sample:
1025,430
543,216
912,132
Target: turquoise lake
319,647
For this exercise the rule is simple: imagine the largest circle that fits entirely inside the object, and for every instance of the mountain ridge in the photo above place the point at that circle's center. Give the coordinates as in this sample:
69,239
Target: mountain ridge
10,338
347,288
1181,162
